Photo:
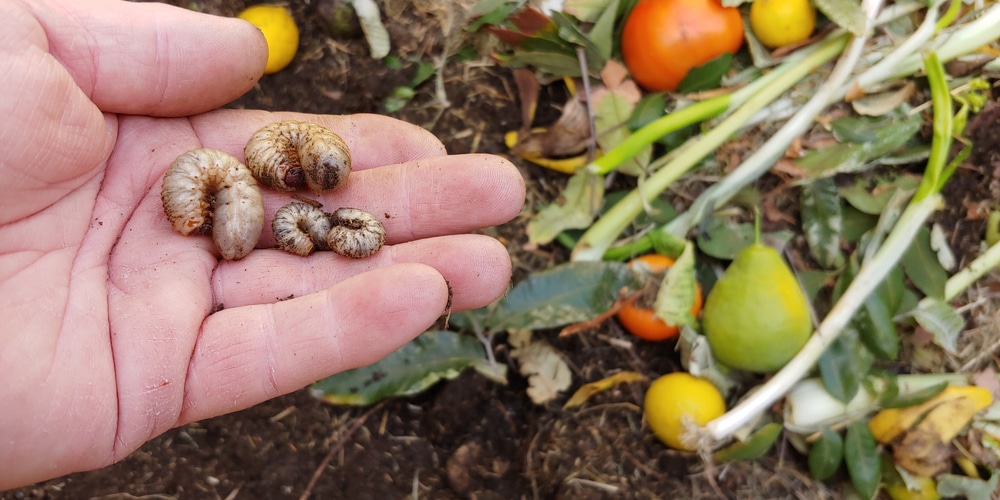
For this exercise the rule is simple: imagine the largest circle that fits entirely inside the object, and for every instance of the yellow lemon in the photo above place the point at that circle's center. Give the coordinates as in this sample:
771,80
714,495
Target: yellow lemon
778,23
675,401
279,30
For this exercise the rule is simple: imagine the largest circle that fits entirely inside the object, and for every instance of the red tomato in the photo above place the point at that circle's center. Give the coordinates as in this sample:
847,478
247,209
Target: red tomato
664,39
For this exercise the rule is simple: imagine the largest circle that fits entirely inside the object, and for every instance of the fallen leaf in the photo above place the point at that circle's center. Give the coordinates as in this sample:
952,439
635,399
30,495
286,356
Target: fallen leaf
586,391
547,372
987,379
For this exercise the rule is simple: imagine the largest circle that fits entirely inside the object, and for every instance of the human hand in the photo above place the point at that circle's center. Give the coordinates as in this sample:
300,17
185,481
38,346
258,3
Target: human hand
114,328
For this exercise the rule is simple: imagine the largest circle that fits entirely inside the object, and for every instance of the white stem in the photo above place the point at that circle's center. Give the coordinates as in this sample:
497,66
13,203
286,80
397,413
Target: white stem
872,273
975,270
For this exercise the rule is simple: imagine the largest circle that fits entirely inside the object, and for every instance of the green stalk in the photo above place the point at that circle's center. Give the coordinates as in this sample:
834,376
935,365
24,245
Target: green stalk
871,274
696,113
941,104
599,237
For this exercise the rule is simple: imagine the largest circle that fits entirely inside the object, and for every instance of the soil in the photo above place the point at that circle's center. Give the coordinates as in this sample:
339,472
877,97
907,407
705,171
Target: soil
466,438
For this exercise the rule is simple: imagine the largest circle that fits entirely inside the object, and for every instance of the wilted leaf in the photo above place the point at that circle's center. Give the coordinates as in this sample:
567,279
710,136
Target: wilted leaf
574,209
416,366
955,486
696,358
826,455
922,267
845,13
865,142
822,222
562,295
863,461
950,410
942,320
677,291
587,391
756,446
939,243
612,112
884,102
547,372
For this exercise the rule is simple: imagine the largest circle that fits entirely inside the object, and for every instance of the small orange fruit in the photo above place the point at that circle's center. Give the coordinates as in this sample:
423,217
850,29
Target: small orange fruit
641,320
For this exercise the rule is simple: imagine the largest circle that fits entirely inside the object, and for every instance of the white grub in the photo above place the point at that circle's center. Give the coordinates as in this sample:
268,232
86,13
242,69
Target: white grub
355,233
300,228
209,189
293,155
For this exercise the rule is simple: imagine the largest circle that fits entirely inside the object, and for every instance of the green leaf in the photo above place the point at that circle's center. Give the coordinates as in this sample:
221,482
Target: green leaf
398,99
575,209
877,330
650,108
570,31
754,447
942,320
562,295
707,76
822,223
872,195
425,70
856,223
677,291
602,34
845,157
551,62
433,356
723,238
921,265
845,13
844,364
863,461
587,10
826,455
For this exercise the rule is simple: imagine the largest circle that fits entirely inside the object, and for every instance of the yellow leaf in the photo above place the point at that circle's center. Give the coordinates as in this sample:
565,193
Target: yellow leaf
956,404
563,165
587,391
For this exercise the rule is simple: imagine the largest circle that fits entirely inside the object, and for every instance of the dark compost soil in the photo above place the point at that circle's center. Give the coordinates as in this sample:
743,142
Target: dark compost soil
465,438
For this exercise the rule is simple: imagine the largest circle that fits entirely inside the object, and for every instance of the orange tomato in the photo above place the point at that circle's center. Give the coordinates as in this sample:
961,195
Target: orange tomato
664,39
642,321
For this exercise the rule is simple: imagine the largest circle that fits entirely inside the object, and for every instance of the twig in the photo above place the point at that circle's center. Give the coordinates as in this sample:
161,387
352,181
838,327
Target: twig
334,449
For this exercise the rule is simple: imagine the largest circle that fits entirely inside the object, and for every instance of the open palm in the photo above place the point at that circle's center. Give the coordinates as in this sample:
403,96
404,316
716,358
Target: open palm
113,328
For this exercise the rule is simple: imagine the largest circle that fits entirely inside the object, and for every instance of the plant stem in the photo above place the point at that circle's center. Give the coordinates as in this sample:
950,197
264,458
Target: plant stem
599,237
871,274
969,274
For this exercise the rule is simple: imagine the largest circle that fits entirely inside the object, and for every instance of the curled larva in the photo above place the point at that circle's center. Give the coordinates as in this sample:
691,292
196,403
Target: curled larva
206,188
355,233
293,155
300,228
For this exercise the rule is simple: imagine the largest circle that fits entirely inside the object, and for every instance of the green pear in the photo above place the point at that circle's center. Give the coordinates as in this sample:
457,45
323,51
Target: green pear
756,317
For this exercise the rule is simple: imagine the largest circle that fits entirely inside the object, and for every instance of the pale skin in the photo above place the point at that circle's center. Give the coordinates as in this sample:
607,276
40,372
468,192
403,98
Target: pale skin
114,328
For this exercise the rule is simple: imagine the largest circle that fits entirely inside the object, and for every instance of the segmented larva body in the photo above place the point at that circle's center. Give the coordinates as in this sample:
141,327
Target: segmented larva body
355,233
207,188
293,155
300,228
